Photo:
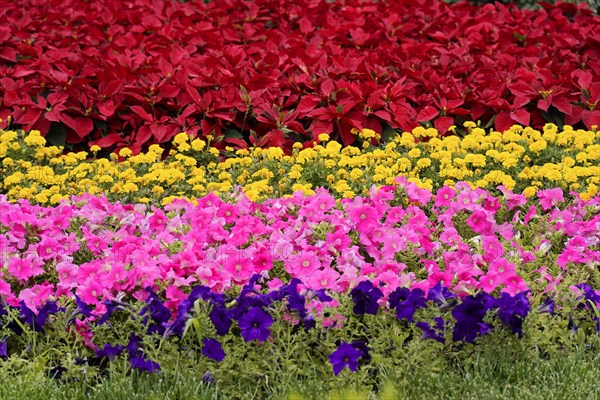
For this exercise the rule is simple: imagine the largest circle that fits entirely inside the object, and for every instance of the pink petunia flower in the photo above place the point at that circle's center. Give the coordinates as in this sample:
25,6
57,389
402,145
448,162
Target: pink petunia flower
444,197
550,197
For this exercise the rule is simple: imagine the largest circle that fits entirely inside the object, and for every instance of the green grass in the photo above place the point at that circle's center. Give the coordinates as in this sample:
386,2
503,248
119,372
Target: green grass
490,375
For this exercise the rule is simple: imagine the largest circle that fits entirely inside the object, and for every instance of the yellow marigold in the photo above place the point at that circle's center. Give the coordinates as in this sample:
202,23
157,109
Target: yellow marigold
130,187
509,162
407,140
158,190
431,132
367,134
404,164
4,150
529,191
125,152
95,149
424,163
168,200
274,153
330,164
581,157
183,147
356,173
35,139
180,138
419,131
8,136
323,137
56,198
13,179
414,153
568,162
538,146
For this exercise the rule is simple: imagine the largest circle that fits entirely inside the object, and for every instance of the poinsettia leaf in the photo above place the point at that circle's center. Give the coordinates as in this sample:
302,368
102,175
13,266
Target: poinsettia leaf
107,108
427,113
442,124
591,118
520,116
107,141
82,126
503,121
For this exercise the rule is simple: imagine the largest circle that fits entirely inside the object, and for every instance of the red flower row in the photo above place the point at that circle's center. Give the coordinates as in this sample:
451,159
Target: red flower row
266,72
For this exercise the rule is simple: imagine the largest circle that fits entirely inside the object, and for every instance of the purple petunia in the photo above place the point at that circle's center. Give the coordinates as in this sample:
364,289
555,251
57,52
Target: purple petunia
144,364
469,316
220,319
440,294
435,333
255,324
211,348
110,351
547,306
346,355
406,302
3,349
365,298
512,310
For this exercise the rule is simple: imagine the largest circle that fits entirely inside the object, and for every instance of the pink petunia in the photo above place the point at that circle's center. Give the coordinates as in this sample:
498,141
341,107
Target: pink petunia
444,197
323,279
550,198
489,282
479,223
304,264
25,268
514,284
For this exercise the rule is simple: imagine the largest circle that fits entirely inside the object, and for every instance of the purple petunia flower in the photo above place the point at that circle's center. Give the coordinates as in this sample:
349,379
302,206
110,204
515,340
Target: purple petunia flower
345,355
435,333
37,321
365,298
512,310
3,349
255,324
547,306
110,351
469,316
406,302
159,314
220,319
144,364
297,302
82,307
363,348
440,294
211,348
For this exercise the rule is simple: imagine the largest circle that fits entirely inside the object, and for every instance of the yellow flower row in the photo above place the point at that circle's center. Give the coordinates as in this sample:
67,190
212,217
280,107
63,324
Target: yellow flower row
521,159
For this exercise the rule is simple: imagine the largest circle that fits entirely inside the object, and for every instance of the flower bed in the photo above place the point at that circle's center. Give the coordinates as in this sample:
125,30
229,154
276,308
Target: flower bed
299,199
522,159
265,73
441,264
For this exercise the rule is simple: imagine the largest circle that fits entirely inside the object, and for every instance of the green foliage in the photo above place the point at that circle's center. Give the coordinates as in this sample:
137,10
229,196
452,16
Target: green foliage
294,362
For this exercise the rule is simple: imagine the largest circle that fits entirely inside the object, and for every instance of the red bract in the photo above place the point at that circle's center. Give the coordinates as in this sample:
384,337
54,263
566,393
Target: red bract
268,73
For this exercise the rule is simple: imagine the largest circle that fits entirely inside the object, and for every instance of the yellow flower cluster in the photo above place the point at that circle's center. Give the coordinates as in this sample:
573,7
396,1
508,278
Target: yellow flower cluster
521,159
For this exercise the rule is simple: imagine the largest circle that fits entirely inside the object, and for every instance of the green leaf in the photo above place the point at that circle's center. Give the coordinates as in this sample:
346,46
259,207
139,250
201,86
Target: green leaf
233,134
57,135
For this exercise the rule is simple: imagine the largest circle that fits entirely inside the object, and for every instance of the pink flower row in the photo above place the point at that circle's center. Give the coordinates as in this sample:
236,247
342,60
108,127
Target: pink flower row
397,236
